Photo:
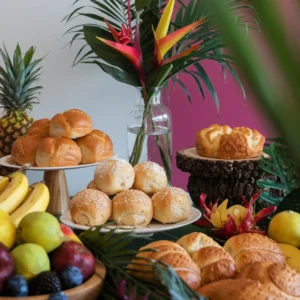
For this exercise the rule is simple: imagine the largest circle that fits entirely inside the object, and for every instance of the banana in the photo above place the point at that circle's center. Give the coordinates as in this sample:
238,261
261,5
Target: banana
37,200
15,192
4,181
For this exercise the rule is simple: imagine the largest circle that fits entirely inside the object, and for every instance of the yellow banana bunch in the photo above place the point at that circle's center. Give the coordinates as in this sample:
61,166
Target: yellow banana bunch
37,200
14,193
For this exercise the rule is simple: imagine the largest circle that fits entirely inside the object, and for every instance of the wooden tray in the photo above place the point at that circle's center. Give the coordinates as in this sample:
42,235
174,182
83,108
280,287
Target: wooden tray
89,290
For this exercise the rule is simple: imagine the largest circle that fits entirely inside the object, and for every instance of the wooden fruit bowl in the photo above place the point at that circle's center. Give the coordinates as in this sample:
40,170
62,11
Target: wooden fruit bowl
89,290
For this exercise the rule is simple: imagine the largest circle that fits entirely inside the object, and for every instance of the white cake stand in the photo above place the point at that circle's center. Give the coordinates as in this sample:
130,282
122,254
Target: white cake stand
56,181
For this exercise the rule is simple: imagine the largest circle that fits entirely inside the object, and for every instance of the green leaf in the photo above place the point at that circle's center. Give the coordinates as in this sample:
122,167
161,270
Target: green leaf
290,202
118,74
158,77
28,56
270,184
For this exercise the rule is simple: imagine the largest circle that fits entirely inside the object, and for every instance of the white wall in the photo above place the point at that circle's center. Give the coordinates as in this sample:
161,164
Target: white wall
86,87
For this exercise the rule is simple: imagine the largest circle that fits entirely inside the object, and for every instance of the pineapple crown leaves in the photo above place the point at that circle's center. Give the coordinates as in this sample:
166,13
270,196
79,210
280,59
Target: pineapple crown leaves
280,164
16,80
115,251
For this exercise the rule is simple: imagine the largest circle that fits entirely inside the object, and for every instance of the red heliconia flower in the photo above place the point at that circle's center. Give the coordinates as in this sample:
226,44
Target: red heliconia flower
234,220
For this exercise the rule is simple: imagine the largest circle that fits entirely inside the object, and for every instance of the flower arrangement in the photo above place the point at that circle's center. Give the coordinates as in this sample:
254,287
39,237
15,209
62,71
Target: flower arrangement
226,222
144,44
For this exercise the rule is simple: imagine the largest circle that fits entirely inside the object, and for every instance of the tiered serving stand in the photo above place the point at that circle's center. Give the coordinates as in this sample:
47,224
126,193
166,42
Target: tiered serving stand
56,181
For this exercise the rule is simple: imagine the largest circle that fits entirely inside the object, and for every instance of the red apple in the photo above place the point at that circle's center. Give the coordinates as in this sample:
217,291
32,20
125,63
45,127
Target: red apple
71,253
7,264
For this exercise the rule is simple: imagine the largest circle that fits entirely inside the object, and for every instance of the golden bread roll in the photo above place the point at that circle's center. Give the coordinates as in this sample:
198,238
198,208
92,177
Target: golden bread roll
59,152
225,143
150,178
90,207
214,263
92,185
169,253
171,205
196,240
24,149
95,146
40,128
72,124
247,248
283,278
113,176
239,289
132,208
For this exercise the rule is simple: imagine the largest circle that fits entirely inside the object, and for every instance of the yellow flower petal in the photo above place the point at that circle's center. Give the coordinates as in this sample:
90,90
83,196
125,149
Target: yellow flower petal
238,212
216,221
164,23
222,210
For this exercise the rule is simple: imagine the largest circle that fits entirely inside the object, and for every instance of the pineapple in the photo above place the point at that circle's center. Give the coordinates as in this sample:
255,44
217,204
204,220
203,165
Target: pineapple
17,97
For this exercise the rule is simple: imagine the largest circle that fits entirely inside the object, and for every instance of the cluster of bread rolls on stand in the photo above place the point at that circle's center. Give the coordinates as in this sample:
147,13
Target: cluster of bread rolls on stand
67,140
130,196
249,266
224,163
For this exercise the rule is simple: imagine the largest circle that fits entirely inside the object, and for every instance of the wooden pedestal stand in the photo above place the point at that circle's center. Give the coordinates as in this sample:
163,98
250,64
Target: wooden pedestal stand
56,182
217,178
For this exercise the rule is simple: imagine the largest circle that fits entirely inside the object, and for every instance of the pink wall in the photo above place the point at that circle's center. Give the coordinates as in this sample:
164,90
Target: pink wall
188,119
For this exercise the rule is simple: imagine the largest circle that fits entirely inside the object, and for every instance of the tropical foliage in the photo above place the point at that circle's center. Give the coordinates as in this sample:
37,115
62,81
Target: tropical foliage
280,164
115,251
139,44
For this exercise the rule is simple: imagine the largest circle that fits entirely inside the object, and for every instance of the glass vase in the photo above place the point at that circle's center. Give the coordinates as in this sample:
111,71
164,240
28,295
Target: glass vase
150,124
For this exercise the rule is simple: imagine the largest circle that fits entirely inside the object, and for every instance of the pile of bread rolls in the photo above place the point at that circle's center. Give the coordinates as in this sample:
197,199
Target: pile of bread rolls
249,266
222,142
68,139
131,196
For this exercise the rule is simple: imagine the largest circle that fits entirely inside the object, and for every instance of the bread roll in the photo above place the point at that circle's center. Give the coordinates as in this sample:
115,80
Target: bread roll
96,146
92,185
171,205
91,208
194,241
169,253
73,123
132,208
150,178
113,176
215,264
223,142
247,248
283,278
40,128
239,289
59,152
24,149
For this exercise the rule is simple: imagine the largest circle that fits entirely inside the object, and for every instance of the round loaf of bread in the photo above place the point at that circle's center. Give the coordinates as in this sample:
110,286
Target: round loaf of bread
113,176
40,128
59,152
169,253
24,149
171,205
95,146
226,143
247,248
215,264
239,289
73,123
92,185
283,278
90,207
150,178
194,241
132,208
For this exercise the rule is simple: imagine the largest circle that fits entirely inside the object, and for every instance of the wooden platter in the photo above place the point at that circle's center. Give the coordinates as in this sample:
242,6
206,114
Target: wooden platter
90,290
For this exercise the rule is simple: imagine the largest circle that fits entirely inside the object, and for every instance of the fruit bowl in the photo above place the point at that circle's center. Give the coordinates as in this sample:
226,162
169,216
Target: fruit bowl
88,290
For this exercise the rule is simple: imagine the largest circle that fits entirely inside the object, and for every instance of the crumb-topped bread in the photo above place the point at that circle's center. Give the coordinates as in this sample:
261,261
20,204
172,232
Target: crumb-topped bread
225,143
